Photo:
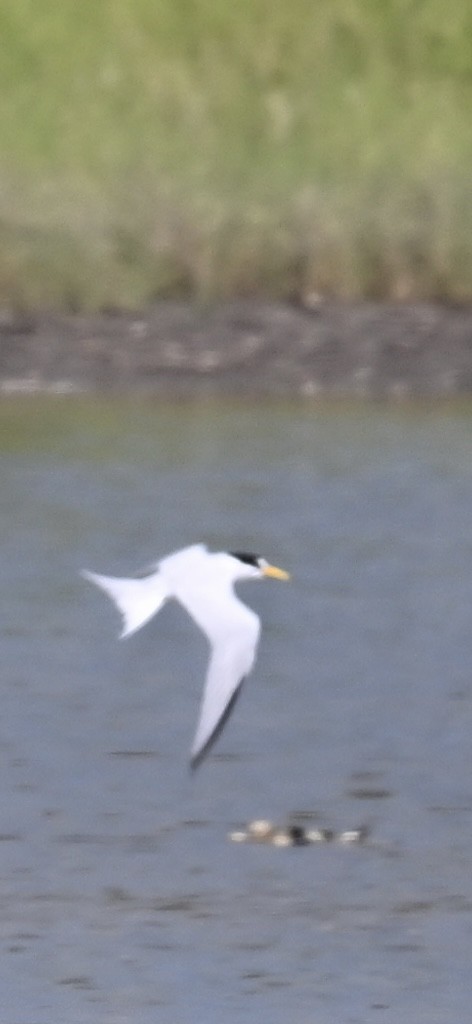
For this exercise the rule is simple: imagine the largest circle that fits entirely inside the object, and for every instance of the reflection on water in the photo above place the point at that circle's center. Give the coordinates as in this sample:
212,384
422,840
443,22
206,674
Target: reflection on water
122,899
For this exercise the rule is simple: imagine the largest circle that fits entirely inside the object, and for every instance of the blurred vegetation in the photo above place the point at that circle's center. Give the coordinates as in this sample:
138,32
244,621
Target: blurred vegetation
211,148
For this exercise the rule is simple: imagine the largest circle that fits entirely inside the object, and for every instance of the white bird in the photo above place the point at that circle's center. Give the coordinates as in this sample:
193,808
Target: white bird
203,582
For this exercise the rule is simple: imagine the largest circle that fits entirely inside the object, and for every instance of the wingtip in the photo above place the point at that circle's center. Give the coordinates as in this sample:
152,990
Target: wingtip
87,575
197,756
195,761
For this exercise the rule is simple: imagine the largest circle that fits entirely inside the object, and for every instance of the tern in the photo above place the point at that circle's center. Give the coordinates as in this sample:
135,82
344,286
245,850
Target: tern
203,583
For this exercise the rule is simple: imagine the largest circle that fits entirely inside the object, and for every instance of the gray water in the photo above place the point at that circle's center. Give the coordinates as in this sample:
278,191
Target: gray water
122,899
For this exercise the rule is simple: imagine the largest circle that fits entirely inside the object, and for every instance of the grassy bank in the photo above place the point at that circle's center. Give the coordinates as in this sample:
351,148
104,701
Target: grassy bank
208,148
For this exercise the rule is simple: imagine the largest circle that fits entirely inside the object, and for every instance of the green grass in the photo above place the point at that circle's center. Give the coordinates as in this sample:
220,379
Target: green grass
212,148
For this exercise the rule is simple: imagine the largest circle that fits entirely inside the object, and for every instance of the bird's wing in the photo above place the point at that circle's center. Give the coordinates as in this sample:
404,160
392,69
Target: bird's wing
137,599
231,659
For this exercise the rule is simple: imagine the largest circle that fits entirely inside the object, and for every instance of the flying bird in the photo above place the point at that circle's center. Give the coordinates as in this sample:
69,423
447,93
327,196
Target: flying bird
203,583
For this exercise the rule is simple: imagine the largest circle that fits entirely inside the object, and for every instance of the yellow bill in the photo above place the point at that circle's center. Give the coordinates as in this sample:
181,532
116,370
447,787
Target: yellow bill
275,573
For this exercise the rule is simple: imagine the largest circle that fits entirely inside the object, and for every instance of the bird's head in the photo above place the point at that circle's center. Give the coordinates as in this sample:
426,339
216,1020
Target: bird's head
254,567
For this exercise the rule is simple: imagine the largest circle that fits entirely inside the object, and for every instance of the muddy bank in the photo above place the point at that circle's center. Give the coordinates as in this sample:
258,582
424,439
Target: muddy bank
251,348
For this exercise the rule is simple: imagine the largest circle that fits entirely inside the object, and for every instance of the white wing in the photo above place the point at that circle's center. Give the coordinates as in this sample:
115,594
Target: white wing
137,599
231,660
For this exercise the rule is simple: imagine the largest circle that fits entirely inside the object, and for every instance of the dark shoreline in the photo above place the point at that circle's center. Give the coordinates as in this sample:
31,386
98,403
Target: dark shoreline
243,348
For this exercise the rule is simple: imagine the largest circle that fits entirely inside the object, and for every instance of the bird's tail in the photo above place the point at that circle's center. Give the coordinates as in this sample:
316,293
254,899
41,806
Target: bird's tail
137,599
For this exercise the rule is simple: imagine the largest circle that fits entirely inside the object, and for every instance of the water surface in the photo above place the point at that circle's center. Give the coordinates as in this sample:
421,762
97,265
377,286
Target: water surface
122,899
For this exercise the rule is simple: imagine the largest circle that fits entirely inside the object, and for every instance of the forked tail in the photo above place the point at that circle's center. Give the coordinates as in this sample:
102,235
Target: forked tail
137,599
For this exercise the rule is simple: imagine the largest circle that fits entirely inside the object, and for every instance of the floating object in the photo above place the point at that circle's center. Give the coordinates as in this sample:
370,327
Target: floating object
265,832
320,835
353,835
261,829
202,582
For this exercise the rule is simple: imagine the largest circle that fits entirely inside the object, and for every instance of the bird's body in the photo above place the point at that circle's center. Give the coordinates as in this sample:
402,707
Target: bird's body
202,582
